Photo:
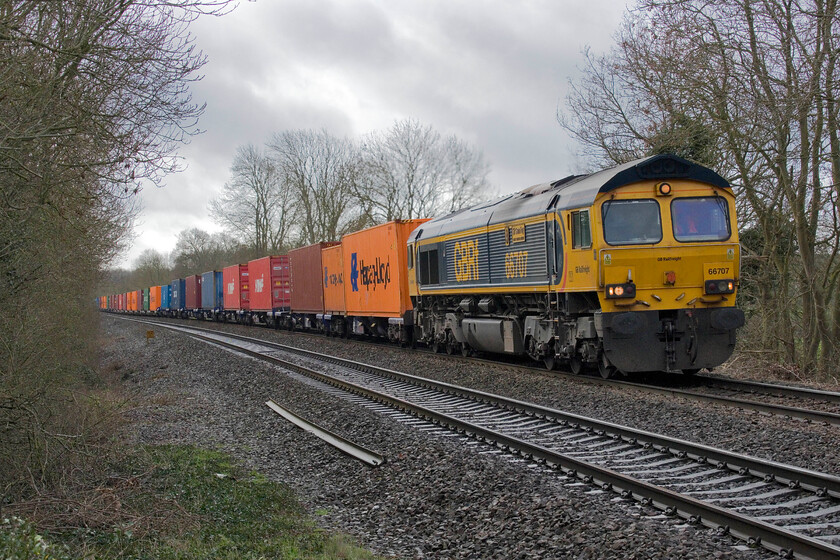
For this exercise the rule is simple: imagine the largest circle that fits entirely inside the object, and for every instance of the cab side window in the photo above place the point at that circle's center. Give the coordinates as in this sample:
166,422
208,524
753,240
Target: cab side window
581,233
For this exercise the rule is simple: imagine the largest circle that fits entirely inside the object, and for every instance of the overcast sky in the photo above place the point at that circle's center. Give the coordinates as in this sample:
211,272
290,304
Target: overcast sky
491,72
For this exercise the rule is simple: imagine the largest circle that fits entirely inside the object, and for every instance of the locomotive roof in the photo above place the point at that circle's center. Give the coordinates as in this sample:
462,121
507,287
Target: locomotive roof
575,191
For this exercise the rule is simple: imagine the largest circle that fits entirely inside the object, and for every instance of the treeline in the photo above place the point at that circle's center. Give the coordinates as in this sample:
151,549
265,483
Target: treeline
749,89
307,186
95,102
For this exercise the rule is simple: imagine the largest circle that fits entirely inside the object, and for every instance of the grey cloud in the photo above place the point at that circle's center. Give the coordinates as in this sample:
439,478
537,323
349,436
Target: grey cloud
491,72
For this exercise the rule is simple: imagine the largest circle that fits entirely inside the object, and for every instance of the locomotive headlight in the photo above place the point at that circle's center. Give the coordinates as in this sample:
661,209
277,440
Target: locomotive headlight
663,189
720,286
615,291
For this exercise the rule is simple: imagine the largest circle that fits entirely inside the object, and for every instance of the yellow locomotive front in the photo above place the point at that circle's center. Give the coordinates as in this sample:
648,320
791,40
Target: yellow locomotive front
664,262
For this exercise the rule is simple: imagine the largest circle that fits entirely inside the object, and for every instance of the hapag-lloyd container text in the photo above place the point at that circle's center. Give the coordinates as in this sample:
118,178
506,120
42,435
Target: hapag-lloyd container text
375,264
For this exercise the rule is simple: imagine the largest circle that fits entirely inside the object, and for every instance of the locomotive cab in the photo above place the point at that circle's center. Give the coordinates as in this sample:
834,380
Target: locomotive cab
668,270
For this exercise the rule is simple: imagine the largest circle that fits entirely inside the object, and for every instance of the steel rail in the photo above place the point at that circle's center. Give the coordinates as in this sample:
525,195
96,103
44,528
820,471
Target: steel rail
776,409
353,449
808,415
770,388
777,539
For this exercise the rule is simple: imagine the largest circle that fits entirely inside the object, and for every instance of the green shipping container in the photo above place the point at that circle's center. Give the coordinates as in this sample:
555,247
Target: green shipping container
145,299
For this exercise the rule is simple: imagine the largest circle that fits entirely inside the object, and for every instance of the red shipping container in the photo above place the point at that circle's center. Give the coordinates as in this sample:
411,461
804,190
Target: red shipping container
192,291
306,278
269,283
236,286
333,263
375,279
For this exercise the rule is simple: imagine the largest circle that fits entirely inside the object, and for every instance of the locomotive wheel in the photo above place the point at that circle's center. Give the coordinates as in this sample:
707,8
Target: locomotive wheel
576,365
550,362
436,347
606,370
466,351
451,344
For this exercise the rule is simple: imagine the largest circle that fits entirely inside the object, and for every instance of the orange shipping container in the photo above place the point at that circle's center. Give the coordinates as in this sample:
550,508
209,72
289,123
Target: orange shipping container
375,281
333,263
154,298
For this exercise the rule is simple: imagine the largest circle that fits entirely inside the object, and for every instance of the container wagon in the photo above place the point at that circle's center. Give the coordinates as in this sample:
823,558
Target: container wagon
165,298
178,303
270,290
236,299
307,289
154,299
375,280
192,294
211,295
333,280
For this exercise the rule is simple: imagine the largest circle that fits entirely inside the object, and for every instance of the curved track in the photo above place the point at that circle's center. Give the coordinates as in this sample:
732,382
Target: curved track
792,511
782,400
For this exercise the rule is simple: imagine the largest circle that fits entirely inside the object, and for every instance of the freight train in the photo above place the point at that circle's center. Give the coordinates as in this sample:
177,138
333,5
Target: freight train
633,268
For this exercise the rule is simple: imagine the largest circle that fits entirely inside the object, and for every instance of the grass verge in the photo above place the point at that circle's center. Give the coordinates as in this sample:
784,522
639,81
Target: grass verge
181,502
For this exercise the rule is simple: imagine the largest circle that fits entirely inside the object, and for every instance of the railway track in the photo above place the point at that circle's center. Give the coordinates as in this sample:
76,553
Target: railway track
801,403
791,511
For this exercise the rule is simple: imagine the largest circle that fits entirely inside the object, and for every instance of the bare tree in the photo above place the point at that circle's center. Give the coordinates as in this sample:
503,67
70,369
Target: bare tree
320,168
760,79
95,104
467,183
151,268
410,171
197,251
256,205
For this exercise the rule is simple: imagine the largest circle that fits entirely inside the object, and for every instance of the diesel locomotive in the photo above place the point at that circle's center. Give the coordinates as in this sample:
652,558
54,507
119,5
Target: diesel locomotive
634,268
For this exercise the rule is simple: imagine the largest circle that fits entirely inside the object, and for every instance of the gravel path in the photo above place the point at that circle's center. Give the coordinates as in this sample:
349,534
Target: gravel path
435,497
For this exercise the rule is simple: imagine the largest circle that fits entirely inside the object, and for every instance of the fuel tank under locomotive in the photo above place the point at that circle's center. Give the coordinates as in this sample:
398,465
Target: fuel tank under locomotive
686,339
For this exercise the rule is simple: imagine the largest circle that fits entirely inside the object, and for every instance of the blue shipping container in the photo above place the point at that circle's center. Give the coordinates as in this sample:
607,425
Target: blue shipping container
165,296
179,288
212,290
